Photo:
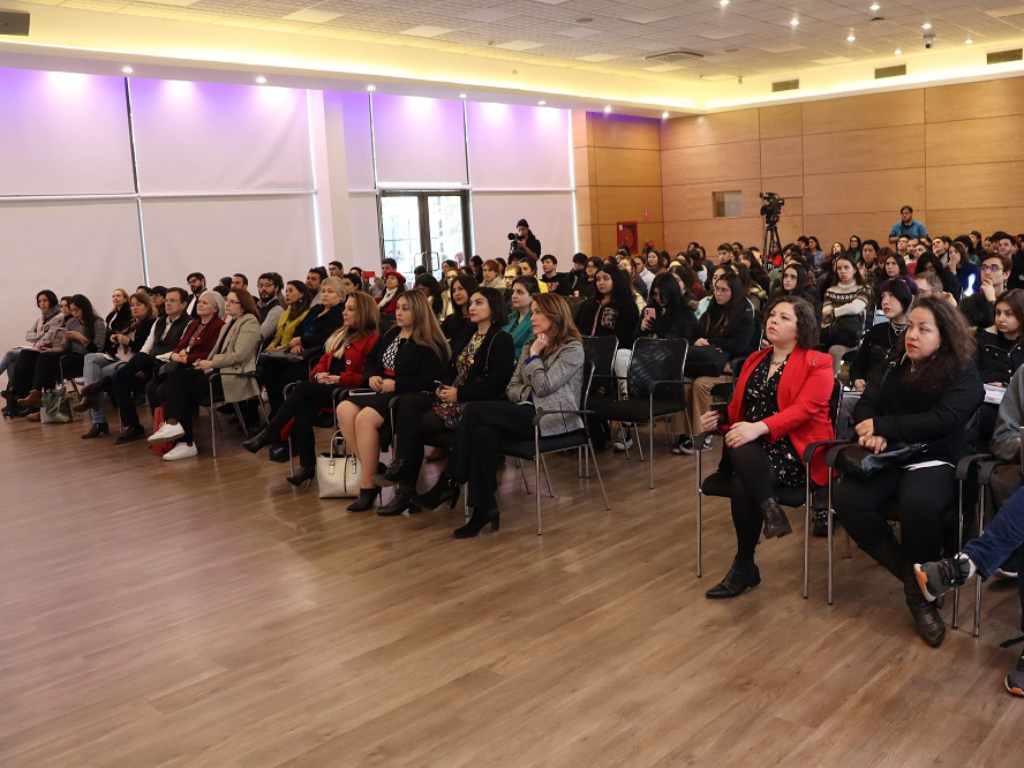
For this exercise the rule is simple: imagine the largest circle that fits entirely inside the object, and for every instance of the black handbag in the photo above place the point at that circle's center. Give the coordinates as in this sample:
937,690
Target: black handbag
858,462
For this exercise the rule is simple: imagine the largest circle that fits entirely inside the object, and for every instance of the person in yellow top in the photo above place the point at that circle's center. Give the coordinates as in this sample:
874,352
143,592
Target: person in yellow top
528,268
296,301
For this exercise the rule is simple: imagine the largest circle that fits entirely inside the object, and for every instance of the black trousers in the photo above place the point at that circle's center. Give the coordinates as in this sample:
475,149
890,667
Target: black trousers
301,407
130,379
477,441
751,486
415,423
183,391
276,374
923,499
41,370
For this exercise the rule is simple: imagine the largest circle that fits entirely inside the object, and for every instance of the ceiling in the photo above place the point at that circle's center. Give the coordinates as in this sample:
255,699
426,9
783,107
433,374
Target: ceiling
747,37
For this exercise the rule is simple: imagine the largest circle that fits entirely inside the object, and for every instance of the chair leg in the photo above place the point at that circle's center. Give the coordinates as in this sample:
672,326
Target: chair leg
650,450
213,431
537,458
522,474
831,538
959,547
241,419
600,480
978,581
700,516
639,445
807,530
547,476
291,457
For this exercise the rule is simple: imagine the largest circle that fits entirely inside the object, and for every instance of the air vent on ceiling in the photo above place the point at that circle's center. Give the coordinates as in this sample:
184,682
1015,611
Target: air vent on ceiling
894,71
674,57
13,23
1000,57
785,85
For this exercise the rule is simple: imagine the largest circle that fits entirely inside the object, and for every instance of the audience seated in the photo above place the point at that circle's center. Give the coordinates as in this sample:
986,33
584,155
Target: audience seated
394,283
479,369
520,320
881,343
979,308
270,304
408,358
40,337
296,308
779,406
342,366
460,288
611,311
927,399
117,320
843,308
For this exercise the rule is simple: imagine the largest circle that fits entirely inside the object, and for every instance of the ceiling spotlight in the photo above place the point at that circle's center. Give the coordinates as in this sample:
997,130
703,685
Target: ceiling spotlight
542,103
898,51
875,7
851,38
462,95
607,109
723,3
260,80
926,26
794,22
664,115
968,41
371,88
127,70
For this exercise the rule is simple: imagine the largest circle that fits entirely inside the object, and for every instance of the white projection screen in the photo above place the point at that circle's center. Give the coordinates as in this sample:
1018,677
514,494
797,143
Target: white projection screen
518,147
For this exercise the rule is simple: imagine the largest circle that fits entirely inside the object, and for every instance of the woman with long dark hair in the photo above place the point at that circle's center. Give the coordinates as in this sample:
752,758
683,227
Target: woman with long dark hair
40,338
794,284
519,323
296,303
667,316
428,285
843,309
611,311
925,398
460,288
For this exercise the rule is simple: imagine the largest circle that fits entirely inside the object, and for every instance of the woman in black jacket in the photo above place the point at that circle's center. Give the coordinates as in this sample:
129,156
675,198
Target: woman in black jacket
725,330
612,309
409,358
928,397
1000,352
118,319
667,315
461,288
881,343
480,367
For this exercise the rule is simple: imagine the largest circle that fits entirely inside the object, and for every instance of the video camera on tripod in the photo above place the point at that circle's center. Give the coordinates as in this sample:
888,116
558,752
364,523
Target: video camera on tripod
772,208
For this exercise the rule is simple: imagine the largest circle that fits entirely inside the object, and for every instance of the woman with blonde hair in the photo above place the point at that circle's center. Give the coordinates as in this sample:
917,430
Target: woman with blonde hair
410,357
342,366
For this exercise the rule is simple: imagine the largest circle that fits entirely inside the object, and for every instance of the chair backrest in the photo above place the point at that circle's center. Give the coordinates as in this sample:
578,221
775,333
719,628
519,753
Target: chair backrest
657,360
599,351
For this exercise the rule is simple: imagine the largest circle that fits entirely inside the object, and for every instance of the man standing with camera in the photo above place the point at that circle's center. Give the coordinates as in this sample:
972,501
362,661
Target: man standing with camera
523,242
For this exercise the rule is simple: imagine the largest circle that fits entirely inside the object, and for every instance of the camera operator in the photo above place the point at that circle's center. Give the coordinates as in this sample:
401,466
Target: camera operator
523,242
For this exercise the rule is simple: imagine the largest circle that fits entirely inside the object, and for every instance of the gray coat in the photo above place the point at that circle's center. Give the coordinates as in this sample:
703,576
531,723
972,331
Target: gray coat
42,334
238,344
1006,437
555,383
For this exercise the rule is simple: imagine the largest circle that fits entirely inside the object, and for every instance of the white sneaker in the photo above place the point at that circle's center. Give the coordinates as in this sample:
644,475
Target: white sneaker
181,451
167,432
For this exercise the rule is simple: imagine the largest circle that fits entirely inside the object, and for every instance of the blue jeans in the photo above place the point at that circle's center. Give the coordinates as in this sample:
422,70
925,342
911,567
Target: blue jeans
1003,536
97,368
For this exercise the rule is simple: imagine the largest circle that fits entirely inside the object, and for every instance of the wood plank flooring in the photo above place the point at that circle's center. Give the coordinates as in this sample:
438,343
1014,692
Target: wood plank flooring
204,613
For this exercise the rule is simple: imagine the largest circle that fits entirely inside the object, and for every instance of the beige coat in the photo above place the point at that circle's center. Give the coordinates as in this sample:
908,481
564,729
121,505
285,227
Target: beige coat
238,348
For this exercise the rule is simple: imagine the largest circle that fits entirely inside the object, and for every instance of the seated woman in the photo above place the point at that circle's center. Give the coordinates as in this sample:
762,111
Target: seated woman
928,398
479,369
408,358
999,346
118,319
233,355
611,311
880,345
460,288
780,406
667,315
276,372
928,262
100,367
39,370
39,338
549,376
428,285
494,276
394,283
296,309
843,309
520,318
343,366
794,284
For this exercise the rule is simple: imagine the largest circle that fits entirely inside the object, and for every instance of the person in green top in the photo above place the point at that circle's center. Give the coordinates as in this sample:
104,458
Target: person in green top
519,323
296,300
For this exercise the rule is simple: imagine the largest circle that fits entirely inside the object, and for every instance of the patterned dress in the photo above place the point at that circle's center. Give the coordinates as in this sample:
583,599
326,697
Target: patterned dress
761,401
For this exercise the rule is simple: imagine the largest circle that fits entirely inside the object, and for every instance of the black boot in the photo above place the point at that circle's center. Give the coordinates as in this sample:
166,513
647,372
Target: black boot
927,619
96,430
279,452
446,489
404,501
130,434
365,501
477,523
258,441
776,524
743,575
303,476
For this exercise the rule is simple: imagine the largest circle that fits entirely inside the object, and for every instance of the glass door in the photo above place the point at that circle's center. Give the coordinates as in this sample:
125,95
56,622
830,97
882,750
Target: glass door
424,228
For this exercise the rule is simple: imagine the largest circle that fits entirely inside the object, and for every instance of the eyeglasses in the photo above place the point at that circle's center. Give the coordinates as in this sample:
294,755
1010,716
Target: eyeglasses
991,267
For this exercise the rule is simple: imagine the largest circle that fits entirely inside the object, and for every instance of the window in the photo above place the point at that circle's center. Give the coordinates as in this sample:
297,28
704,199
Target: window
727,205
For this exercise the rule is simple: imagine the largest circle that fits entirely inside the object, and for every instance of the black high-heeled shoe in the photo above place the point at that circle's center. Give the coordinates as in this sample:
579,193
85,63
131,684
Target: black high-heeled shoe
404,501
365,501
776,524
302,477
478,522
257,442
446,489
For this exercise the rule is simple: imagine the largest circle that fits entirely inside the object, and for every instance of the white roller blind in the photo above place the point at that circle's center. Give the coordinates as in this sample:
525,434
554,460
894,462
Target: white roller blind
419,140
518,147
550,215
63,133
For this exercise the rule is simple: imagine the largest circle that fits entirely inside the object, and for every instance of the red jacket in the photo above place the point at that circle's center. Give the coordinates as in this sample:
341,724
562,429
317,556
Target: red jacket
206,338
355,362
805,390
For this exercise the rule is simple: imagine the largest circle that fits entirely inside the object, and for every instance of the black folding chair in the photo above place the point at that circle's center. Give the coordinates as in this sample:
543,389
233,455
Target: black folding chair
214,404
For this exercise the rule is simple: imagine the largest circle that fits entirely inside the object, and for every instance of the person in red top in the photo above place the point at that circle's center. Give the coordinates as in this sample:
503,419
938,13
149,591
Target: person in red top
342,366
780,406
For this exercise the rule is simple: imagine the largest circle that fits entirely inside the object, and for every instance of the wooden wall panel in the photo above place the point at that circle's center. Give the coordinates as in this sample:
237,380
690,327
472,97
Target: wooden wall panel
789,187
581,165
625,132
982,185
992,98
580,129
651,232
831,227
688,202
711,232
988,140
716,162
873,110
780,121
782,157
867,150
987,220
615,204
703,130
585,206
585,237
625,167
864,192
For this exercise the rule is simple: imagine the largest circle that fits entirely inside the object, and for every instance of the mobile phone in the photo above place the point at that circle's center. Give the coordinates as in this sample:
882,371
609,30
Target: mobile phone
722,409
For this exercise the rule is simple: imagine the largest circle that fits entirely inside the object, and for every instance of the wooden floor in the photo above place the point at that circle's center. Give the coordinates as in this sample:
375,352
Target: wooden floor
203,613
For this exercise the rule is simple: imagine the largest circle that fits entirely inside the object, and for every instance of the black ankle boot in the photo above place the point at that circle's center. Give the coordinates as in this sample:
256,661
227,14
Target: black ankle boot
404,501
258,441
776,524
96,430
743,575
927,619
365,501
478,522
446,489
303,476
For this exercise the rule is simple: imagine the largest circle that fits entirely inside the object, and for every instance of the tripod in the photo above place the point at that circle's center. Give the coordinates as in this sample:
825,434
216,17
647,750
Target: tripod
772,243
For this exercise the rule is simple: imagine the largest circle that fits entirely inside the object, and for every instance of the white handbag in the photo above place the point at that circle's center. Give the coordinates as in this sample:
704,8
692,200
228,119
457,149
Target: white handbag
337,475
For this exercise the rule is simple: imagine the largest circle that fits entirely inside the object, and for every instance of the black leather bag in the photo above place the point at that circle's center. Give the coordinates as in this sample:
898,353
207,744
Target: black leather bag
858,462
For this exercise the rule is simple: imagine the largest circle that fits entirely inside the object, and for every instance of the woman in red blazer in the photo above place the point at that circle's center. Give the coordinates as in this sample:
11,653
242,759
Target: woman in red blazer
780,405
341,367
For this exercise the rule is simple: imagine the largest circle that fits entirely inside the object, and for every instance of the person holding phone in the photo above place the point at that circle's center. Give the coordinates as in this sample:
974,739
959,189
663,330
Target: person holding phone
779,406
407,359
480,367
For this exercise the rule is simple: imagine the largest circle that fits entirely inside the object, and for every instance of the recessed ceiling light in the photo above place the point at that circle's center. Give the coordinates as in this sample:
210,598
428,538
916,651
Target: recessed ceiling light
462,95
607,109
875,7
542,103
898,51
723,3
371,88
127,70
851,38
664,115
261,80
794,22
968,41
926,26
